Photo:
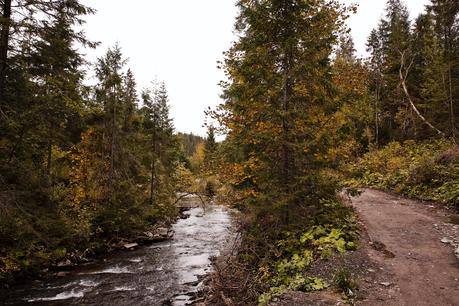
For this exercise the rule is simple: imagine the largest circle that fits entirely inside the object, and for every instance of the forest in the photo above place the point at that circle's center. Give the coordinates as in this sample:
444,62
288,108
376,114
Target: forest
80,165
303,118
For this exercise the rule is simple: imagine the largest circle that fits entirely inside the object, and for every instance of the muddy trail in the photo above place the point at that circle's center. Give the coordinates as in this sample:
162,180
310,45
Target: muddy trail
412,245
406,257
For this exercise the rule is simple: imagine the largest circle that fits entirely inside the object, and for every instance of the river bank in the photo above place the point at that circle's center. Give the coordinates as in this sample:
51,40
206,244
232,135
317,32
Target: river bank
93,251
168,272
100,247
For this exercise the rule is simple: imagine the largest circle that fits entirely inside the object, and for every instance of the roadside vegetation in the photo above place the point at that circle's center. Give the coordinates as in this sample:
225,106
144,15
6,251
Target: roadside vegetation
426,171
275,258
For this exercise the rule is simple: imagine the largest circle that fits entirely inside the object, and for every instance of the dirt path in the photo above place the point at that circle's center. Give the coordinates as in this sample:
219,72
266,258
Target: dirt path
405,242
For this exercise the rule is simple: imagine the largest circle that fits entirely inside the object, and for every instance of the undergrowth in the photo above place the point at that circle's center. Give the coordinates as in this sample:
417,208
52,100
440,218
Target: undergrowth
427,171
275,258
344,281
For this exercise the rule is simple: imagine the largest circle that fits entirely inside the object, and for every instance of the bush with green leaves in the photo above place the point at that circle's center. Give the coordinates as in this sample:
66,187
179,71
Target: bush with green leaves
428,171
332,230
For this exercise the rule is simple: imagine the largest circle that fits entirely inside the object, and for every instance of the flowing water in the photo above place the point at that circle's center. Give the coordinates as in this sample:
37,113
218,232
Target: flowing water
166,273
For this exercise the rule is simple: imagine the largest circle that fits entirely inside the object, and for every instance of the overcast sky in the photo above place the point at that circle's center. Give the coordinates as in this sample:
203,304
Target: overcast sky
180,41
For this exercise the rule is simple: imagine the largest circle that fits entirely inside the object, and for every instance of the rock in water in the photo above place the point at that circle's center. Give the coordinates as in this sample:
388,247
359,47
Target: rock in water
65,264
162,232
61,274
130,245
156,235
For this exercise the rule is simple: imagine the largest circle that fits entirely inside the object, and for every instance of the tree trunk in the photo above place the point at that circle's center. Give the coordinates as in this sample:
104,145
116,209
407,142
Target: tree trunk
153,165
112,146
285,149
16,144
287,158
286,154
49,153
451,105
4,42
378,90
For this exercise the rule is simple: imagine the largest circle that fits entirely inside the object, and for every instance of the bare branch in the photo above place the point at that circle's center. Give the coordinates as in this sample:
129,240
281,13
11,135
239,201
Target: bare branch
191,193
403,73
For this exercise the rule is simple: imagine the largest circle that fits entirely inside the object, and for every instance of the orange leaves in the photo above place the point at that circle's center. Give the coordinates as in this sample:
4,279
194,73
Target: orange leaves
238,174
88,176
198,157
301,89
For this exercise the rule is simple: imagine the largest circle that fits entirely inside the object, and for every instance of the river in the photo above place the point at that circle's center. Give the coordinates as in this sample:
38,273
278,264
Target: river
166,273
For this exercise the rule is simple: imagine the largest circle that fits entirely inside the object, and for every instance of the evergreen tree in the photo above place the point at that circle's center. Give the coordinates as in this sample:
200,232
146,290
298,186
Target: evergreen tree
278,96
56,66
109,97
446,23
189,142
376,77
130,101
162,144
21,22
395,34
428,88
39,73
210,146
41,109
413,72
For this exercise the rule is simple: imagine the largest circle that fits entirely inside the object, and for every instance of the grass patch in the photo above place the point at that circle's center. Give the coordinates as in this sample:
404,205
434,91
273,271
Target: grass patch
344,281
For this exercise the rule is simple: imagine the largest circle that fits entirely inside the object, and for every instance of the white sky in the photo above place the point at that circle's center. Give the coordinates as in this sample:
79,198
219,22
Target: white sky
180,41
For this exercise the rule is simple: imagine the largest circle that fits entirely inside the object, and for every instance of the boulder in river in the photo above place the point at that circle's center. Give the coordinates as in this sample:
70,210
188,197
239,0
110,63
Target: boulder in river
61,274
156,235
65,264
130,245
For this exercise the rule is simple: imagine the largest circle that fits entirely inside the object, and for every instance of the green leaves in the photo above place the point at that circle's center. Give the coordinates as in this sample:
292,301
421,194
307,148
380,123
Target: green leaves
344,280
325,240
428,171
297,263
299,282
333,232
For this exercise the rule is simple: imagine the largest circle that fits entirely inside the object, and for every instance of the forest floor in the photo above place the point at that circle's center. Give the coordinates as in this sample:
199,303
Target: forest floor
406,256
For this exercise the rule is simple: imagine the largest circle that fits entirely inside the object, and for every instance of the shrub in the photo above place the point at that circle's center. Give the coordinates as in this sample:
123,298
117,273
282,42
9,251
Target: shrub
210,189
344,281
428,171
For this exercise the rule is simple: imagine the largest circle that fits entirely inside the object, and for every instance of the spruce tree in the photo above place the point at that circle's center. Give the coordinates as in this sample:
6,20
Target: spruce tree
396,40
430,70
376,78
56,66
391,51
23,21
161,144
278,94
210,146
446,23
